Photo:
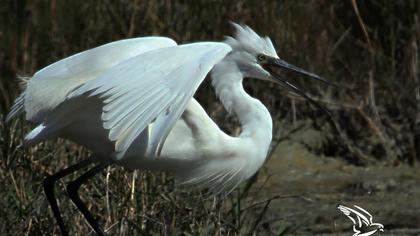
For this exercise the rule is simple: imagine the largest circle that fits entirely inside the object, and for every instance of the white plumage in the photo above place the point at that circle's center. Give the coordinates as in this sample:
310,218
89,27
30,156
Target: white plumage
123,99
131,101
50,86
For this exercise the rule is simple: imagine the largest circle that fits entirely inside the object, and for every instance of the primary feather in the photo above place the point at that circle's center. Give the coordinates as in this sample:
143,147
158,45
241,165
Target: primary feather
50,86
163,82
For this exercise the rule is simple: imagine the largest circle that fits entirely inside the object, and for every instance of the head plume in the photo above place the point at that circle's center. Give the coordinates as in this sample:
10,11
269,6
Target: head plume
245,39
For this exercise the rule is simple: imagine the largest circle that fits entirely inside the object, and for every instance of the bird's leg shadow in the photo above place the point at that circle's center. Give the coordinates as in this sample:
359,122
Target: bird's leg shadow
72,190
49,183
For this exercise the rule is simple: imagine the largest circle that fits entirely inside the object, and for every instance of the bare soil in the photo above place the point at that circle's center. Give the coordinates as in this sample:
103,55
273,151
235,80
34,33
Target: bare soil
308,187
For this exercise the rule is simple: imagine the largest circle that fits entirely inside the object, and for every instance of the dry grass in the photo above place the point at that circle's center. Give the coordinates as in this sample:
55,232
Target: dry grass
369,48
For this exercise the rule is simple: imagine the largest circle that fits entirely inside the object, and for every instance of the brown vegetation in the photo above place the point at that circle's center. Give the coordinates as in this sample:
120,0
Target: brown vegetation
369,48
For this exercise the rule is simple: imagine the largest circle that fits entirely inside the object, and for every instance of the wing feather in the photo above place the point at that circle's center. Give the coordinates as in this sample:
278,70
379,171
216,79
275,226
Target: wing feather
154,87
120,113
51,85
142,114
365,217
347,211
141,122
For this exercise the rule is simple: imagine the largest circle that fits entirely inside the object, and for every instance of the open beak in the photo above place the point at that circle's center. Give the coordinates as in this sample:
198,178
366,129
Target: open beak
273,64
277,62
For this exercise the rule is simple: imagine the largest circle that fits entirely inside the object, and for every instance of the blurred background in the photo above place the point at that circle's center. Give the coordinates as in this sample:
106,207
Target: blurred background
369,48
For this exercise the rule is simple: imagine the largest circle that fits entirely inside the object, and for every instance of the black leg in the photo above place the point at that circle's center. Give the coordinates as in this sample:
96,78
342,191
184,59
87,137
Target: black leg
72,190
49,190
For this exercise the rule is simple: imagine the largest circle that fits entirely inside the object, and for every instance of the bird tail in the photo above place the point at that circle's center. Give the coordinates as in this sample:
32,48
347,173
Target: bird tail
18,106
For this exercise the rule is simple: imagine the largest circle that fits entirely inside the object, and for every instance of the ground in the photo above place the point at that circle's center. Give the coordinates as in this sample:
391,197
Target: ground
308,188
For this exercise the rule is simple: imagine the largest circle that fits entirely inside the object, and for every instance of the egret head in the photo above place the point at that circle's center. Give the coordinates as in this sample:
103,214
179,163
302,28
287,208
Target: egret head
256,57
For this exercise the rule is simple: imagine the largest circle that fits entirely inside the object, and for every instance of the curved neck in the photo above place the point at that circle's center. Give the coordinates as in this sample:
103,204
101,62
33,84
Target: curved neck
252,114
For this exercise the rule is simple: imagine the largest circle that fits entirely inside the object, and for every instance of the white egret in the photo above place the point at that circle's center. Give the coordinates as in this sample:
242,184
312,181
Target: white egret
131,103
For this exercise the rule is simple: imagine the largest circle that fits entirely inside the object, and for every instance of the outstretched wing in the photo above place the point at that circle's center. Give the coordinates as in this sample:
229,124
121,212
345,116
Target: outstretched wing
152,87
50,85
347,211
352,214
366,220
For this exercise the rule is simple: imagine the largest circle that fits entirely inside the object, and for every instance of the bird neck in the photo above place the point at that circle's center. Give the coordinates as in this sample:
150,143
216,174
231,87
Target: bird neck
254,117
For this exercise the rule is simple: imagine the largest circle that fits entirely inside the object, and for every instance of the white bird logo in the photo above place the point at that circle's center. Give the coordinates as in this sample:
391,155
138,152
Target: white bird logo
362,221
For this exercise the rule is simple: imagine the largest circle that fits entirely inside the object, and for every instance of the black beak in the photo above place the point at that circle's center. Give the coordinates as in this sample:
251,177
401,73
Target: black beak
272,64
277,62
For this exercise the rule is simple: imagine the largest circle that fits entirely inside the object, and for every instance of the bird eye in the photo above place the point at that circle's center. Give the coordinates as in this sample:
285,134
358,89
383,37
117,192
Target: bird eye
261,57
